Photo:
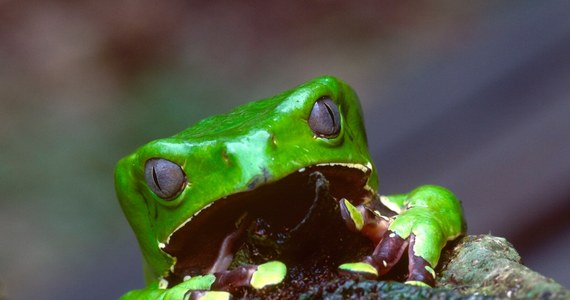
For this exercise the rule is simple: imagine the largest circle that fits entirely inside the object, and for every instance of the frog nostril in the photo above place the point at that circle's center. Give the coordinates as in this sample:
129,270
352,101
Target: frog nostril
273,140
226,156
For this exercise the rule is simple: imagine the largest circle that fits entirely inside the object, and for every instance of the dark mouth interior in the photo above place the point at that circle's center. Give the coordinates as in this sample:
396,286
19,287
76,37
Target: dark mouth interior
293,220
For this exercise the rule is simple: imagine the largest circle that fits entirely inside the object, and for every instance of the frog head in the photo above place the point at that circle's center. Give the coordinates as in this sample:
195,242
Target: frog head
184,194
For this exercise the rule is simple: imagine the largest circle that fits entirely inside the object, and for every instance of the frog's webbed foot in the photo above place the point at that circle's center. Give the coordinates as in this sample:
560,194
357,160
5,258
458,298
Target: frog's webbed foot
388,250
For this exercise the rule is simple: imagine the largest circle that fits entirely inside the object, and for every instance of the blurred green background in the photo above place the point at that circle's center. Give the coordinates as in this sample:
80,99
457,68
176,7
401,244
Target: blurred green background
472,95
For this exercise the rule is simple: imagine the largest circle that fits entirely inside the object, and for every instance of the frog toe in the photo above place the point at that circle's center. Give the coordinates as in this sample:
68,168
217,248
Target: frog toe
359,268
352,216
362,219
387,253
269,273
420,269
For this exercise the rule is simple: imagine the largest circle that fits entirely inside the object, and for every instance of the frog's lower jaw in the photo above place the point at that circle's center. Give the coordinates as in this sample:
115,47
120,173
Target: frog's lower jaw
271,222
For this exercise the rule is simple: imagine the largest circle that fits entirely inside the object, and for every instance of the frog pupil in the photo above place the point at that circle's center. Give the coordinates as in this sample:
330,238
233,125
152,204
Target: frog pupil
331,113
155,178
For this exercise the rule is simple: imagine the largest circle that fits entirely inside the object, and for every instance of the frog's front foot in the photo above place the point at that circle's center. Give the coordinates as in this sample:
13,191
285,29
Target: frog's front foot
257,277
389,247
385,256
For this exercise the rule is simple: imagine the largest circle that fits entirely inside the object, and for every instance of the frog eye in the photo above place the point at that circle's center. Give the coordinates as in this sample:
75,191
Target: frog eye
165,178
325,118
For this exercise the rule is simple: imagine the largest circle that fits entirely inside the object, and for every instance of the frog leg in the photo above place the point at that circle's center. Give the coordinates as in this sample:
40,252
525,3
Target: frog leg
391,245
420,271
429,217
386,254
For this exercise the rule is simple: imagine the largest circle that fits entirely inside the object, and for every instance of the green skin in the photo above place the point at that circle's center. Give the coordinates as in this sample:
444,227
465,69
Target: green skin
223,155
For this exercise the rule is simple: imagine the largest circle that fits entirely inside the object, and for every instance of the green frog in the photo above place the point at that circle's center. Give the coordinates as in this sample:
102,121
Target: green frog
192,198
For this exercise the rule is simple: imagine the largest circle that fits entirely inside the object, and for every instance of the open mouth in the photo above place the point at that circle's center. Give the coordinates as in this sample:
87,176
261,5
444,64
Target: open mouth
295,220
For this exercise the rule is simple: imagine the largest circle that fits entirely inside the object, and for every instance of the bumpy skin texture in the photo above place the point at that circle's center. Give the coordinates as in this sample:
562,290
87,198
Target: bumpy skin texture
254,145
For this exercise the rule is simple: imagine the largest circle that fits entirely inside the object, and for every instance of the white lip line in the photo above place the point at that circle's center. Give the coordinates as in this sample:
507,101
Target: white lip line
364,168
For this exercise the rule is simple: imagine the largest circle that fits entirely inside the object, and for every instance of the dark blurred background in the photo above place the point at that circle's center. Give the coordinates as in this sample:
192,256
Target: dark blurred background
474,96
